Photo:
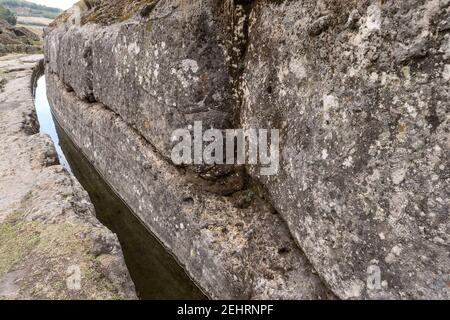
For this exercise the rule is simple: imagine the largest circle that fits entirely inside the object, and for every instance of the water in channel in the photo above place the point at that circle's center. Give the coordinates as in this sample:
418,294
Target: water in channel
155,272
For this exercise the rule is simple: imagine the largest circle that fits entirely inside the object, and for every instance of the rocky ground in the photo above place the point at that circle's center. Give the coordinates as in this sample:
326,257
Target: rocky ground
18,39
51,244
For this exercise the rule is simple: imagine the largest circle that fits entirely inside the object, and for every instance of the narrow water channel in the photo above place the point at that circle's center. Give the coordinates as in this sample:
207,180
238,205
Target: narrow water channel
155,272
47,125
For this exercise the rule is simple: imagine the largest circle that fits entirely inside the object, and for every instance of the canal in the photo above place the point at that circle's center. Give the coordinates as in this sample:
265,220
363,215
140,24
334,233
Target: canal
155,272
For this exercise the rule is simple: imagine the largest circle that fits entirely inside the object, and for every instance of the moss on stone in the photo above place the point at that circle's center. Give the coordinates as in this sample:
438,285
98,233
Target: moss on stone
50,249
17,238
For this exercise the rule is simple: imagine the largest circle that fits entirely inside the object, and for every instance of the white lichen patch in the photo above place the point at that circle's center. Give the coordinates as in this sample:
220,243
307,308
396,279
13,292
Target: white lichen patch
393,254
348,163
398,175
411,110
354,291
446,72
133,48
330,103
445,48
297,67
189,65
373,21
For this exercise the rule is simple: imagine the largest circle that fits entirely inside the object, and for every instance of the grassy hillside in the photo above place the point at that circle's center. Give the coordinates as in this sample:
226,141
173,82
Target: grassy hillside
32,16
34,21
17,39
29,9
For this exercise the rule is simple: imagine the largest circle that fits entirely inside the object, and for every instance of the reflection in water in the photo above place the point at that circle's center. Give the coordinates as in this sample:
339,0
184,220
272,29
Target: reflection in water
155,272
46,120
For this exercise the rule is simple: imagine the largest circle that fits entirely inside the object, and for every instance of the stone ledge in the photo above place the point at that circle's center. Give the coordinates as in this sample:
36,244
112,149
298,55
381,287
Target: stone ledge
228,251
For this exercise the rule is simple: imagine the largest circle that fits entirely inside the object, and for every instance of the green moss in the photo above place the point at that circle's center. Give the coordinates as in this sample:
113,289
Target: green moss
46,250
36,43
17,238
104,289
109,12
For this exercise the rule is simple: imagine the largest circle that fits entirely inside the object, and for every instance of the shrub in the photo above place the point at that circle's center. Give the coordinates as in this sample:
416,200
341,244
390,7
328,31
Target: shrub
7,15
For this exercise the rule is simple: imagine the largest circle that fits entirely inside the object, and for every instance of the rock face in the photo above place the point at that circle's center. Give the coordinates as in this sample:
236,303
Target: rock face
360,94
51,244
111,96
155,86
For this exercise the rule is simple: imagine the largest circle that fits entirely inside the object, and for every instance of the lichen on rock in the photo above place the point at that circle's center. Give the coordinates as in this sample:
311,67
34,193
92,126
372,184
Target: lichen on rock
359,91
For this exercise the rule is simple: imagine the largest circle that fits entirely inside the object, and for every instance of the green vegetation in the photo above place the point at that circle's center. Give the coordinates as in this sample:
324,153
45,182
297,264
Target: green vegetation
13,248
7,15
25,8
34,24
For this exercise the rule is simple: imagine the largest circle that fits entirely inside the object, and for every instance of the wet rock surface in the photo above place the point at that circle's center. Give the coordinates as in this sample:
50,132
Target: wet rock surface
360,94
48,231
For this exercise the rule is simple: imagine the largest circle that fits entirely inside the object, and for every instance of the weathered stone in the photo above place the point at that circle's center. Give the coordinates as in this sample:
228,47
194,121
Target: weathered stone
229,252
48,229
158,73
364,115
360,93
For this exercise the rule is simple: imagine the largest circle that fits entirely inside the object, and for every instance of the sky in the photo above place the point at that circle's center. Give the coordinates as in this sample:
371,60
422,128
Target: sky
62,4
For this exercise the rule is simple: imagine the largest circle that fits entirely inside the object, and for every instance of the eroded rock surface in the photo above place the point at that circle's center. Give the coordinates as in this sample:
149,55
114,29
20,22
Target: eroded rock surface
229,251
48,231
360,93
156,86
119,91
